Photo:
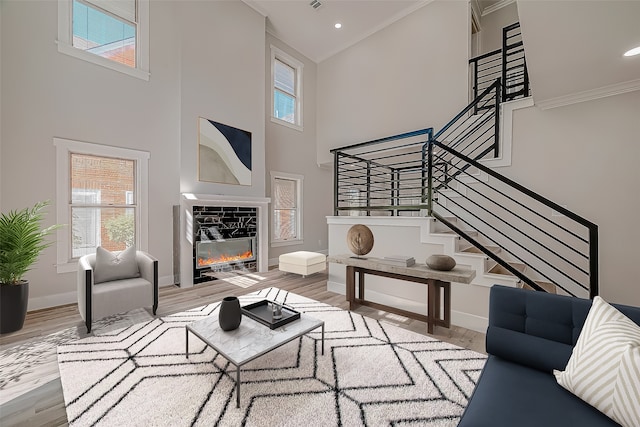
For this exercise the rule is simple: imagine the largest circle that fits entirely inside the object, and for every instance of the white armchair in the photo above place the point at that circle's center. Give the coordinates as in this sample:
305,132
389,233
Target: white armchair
96,301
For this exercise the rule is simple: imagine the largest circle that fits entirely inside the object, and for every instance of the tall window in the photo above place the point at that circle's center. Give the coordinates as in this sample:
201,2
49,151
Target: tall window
102,193
286,89
100,214
286,199
104,32
112,33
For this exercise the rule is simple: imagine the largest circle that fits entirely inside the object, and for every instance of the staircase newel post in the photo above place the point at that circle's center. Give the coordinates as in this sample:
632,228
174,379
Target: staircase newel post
368,186
593,261
429,174
336,183
496,140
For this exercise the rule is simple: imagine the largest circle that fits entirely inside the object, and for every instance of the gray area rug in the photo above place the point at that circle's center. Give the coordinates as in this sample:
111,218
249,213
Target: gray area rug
26,366
372,374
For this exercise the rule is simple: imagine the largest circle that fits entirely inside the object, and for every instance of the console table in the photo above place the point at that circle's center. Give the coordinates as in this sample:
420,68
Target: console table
435,280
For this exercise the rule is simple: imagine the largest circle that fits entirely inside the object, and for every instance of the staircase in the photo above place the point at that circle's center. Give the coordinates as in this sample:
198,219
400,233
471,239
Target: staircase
508,233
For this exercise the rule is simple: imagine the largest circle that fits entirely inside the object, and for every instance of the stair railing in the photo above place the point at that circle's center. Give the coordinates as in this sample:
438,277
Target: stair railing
560,246
385,176
431,174
507,63
514,65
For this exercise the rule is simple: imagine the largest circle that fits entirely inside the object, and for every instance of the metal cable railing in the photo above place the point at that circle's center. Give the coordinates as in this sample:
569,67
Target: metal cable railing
441,175
507,64
381,177
559,246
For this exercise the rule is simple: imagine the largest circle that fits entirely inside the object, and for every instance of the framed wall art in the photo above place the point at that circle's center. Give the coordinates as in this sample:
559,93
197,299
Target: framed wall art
224,153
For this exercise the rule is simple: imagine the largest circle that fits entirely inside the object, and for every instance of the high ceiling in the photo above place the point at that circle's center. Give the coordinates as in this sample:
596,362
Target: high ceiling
311,31
573,47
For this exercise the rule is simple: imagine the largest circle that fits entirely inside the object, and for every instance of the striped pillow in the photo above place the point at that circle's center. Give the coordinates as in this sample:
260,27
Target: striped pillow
604,368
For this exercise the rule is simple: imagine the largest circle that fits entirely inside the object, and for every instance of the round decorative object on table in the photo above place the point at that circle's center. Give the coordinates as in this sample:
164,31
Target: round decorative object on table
230,314
360,239
441,262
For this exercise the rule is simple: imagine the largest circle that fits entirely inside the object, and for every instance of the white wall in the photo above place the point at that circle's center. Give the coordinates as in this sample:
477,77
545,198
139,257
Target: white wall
207,58
293,151
1,104
410,75
222,79
492,25
585,156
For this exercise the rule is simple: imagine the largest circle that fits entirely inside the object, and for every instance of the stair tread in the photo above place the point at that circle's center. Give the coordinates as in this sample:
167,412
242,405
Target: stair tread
499,269
549,287
451,232
476,250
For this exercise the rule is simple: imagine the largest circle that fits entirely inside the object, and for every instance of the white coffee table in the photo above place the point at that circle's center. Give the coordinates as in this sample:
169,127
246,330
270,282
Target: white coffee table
250,340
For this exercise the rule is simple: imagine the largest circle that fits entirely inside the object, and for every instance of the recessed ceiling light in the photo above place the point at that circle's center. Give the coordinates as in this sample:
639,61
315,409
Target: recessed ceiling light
338,25
633,52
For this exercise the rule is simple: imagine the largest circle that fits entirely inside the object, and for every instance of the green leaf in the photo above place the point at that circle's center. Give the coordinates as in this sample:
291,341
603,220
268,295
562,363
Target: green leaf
22,239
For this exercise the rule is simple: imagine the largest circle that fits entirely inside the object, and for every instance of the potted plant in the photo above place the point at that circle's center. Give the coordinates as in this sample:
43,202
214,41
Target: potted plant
22,239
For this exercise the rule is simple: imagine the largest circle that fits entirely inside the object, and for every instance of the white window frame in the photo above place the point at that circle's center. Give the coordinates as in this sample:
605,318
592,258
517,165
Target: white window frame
65,41
299,202
64,148
297,67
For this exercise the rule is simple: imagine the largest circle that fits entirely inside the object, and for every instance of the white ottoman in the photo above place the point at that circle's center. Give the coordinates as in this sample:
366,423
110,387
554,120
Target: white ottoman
302,262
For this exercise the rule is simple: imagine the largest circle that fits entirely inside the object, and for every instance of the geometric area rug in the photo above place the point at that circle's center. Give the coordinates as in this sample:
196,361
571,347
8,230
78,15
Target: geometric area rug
371,374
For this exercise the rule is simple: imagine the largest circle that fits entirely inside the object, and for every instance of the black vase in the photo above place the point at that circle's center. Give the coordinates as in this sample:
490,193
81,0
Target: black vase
230,314
13,306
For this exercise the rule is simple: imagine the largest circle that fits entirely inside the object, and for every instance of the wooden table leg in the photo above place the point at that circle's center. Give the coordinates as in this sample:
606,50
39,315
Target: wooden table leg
447,303
431,305
351,286
436,297
361,284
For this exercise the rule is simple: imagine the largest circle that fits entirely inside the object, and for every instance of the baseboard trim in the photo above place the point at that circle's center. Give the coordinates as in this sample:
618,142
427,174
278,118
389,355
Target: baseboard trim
469,321
57,300
458,318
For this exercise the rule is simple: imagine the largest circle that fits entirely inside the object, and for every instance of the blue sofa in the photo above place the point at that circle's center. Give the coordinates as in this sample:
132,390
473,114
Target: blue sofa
530,334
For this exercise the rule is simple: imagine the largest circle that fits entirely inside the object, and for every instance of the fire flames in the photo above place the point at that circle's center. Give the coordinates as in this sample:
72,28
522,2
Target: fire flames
203,262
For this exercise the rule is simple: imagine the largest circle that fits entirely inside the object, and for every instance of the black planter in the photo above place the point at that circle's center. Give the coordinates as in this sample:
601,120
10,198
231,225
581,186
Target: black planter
13,306
230,314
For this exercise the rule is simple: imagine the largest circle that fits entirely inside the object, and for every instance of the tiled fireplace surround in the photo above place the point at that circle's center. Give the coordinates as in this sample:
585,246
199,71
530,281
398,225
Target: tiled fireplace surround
235,220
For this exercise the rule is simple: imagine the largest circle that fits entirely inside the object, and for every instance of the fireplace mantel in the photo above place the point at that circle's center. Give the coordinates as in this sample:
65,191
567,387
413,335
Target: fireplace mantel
189,200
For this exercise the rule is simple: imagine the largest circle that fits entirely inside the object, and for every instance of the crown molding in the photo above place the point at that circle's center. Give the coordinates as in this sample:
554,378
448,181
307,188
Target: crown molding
589,95
496,6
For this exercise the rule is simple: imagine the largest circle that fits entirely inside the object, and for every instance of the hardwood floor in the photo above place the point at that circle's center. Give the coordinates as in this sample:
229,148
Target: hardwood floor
44,406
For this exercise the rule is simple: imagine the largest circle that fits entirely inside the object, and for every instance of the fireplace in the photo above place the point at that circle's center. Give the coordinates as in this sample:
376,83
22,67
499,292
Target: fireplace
211,253
224,240
219,233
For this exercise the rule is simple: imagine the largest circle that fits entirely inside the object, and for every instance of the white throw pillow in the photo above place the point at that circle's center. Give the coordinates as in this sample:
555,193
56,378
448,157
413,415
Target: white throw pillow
115,265
604,368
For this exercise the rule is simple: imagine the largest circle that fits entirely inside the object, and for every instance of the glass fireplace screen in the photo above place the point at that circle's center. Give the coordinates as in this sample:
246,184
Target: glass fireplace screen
212,252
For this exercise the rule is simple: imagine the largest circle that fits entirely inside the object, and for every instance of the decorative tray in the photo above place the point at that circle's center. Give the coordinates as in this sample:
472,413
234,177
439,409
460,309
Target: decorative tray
261,312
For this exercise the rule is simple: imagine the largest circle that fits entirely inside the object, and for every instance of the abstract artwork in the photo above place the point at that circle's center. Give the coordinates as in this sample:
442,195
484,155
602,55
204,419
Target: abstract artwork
224,153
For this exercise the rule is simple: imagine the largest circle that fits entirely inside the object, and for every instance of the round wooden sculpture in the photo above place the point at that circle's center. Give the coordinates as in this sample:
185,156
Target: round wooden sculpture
360,239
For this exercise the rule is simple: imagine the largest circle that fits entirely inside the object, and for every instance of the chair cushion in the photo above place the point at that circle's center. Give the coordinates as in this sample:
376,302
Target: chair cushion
119,296
509,394
602,370
115,265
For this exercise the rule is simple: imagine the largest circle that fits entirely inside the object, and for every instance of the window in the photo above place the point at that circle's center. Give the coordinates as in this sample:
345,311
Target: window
286,87
114,34
286,198
102,197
